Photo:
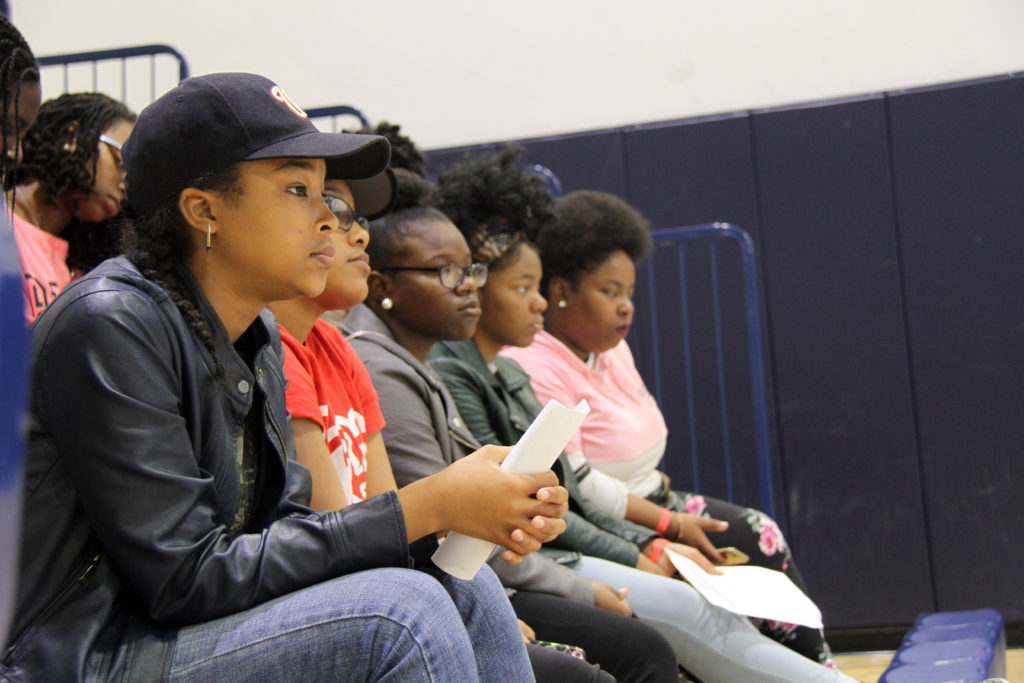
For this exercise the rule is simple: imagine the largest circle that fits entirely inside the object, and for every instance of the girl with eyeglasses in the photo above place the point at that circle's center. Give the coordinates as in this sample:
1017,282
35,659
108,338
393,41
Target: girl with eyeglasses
500,209
423,289
70,184
167,533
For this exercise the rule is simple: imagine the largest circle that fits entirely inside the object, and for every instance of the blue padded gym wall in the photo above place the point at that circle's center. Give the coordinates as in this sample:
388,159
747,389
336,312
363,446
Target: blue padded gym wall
684,173
888,229
842,380
958,162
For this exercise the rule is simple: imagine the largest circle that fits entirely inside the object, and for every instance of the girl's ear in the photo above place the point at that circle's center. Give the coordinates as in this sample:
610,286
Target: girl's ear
559,289
379,286
197,208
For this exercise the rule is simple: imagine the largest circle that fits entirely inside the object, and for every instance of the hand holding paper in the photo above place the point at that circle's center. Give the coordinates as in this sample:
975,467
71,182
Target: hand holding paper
751,591
462,556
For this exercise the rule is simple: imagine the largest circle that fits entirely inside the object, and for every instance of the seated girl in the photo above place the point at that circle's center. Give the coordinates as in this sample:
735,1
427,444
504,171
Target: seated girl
70,183
498,207
423,289
335,414
589,255
166,531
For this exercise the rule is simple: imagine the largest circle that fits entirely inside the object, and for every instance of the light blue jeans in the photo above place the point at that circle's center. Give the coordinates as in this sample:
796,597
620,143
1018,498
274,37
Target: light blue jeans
709,642
377,625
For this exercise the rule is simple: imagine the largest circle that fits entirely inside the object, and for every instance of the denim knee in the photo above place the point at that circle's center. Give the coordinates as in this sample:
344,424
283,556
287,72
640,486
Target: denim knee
362,626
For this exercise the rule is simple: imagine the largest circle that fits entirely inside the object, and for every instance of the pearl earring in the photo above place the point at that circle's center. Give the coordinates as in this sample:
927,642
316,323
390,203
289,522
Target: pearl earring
387,304
561,303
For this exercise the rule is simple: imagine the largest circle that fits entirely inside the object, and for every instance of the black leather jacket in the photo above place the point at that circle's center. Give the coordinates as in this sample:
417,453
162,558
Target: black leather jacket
131,485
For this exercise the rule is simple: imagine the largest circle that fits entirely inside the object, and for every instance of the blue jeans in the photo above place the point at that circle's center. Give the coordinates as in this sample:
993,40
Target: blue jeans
709,642
382,624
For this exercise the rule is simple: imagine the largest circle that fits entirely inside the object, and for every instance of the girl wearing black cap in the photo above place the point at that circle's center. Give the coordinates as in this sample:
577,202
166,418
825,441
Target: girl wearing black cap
166,532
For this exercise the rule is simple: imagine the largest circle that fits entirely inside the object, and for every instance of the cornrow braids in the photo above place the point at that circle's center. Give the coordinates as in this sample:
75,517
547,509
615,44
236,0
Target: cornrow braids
496,204
158,241
17,66
62,150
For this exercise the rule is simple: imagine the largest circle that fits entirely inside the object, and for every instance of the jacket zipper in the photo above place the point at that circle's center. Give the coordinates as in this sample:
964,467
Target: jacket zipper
79,578
277,430
89,569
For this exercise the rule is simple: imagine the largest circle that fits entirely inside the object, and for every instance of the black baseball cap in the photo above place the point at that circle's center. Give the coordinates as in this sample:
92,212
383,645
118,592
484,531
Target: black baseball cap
208,123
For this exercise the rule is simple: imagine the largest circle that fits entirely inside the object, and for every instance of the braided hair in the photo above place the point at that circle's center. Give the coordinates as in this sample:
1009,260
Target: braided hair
157,242
496,204
61,153
17,66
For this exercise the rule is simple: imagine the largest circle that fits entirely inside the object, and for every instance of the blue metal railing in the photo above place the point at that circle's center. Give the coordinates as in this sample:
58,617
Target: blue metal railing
123,55
549,177
713,233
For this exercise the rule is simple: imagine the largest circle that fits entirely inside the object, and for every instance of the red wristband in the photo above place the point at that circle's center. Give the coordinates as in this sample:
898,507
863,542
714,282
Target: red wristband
664,521
656,548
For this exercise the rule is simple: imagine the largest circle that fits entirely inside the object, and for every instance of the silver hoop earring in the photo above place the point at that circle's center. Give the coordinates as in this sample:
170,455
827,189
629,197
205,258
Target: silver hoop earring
562,303
387,304
209,238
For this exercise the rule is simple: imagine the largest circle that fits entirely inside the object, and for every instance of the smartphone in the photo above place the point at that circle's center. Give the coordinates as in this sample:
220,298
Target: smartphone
733,556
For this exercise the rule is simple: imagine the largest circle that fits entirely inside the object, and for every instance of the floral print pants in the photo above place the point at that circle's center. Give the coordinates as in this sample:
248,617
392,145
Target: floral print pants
757,535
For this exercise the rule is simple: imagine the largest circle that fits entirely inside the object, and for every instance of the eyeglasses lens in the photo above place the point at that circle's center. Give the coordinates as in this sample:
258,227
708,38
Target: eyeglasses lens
346,214
453,274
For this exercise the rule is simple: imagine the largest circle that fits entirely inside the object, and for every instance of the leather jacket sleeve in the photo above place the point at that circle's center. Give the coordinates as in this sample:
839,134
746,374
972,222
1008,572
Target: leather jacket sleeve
113,395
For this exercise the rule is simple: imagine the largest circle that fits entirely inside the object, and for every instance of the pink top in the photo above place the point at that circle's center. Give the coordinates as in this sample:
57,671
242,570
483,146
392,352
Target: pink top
44,264
625,433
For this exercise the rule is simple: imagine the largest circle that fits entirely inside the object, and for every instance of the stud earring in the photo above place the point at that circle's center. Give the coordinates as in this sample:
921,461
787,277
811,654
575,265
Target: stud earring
209,238
387,304
562,303
66,147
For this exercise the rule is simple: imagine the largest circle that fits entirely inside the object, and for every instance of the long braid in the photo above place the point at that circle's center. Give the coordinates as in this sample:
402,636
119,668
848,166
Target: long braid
156,242
61,153
17,65
62,149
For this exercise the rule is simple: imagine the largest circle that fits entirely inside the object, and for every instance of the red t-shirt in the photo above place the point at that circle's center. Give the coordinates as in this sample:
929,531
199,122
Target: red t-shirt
327,383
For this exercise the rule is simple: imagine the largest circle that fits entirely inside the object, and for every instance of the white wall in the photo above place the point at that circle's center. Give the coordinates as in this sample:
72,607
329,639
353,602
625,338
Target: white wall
461,71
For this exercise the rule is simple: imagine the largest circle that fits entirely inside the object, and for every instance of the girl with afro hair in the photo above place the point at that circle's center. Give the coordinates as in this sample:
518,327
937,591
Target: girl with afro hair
499,207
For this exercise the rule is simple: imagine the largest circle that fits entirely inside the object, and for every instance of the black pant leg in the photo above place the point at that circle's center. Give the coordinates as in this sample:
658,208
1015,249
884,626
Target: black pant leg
625,647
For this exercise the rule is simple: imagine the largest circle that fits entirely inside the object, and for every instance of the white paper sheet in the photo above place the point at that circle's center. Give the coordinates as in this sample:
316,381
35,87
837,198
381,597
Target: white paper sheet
537,449
751,591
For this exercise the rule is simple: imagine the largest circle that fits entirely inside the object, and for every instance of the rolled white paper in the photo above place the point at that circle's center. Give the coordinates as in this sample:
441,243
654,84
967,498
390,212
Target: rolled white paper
538,448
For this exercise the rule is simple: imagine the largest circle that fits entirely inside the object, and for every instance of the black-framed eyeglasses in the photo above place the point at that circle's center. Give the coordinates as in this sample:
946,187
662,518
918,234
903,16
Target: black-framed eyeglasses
452,274
347,216
114,144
